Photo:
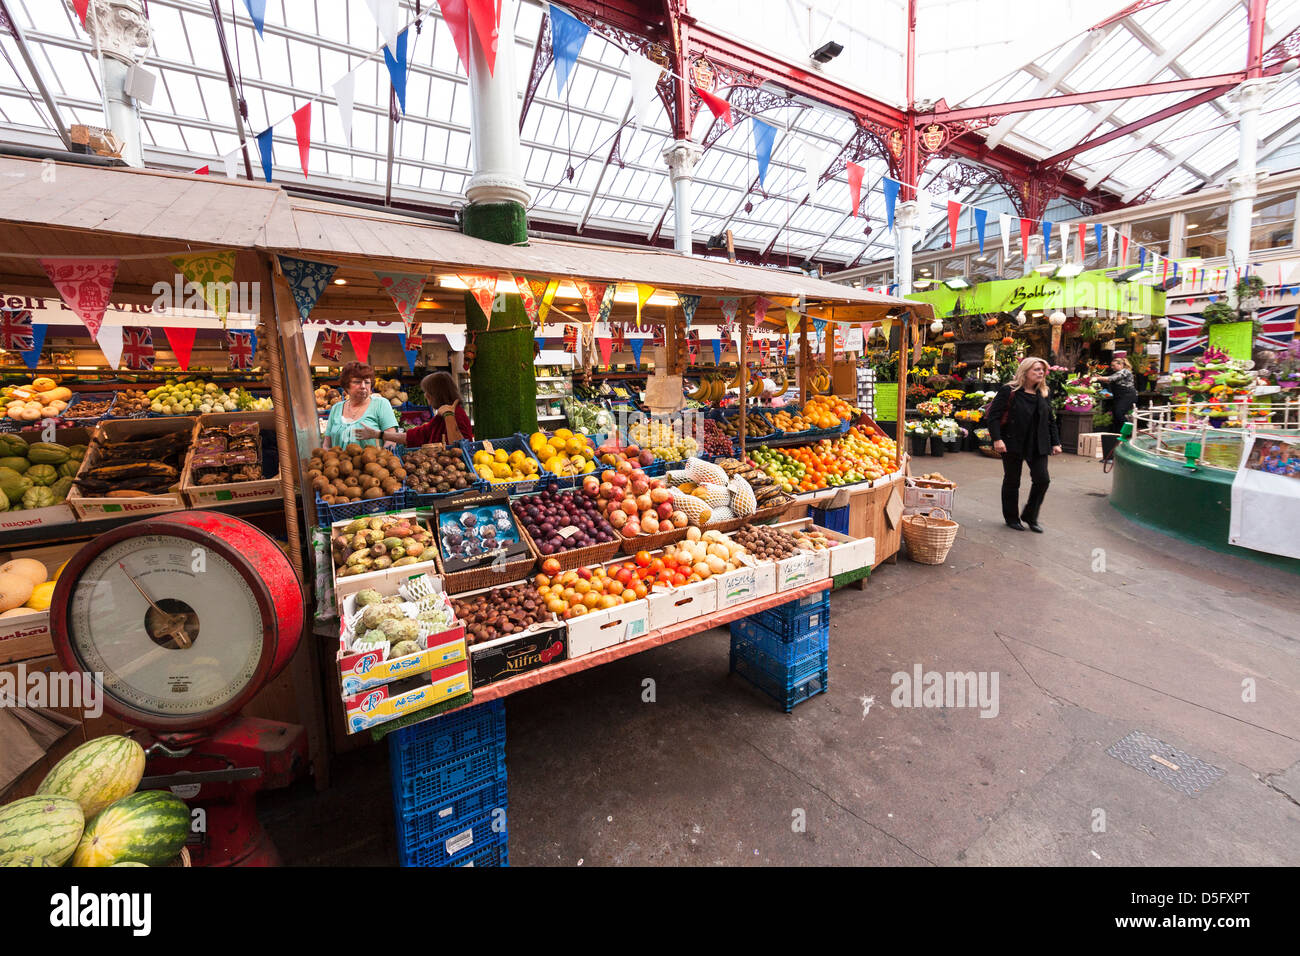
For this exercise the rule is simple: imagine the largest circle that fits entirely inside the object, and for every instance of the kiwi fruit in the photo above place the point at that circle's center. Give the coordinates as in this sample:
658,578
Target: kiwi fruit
374,491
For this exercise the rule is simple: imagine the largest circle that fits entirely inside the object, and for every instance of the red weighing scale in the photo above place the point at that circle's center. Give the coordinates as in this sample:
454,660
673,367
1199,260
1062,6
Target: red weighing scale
187,616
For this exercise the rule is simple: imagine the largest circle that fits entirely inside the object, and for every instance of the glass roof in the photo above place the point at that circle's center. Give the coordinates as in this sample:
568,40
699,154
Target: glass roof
964,48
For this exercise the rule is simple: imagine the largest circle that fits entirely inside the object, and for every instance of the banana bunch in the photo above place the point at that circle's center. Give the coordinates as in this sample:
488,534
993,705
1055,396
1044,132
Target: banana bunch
711,390
821,381
784,385
755,387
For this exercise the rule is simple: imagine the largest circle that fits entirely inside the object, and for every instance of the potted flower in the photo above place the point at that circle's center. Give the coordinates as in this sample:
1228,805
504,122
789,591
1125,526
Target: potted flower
919,435
949,433
1250,291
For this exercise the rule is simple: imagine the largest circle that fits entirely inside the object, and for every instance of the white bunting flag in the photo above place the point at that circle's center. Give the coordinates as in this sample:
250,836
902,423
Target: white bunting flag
644,75
1110,245
386,18
231,159
310,333
109,340
815,161
344,91
1065,242
1004,230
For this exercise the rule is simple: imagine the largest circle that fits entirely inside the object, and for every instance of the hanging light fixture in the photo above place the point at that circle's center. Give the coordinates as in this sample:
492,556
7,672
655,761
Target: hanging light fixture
1057,318
936,326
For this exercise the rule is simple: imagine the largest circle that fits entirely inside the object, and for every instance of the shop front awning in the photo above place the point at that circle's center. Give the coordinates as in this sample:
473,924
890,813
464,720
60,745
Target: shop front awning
1096,291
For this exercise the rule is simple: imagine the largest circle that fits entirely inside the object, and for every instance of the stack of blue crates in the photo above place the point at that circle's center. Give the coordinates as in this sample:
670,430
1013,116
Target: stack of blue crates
784,651
449,788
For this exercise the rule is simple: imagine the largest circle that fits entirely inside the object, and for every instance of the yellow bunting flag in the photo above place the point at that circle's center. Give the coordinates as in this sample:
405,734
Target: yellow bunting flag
214,275
548,296
791,320
643,293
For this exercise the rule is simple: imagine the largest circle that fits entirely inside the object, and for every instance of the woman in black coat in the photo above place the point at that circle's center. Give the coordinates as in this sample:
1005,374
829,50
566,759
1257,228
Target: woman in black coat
1023,429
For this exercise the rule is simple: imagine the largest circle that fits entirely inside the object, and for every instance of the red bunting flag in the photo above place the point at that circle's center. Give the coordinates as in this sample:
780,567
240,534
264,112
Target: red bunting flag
361,345
182,343
202,171
302,126
1026,227
1083,233
1123,250
606,346
855,185
331,346
593,296
85,286
455,13
719,107
486,15
82,7
954,214
484,289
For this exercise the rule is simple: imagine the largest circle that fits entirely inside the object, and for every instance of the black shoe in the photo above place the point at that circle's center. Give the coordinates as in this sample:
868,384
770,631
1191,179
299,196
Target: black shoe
1015,526
1034,526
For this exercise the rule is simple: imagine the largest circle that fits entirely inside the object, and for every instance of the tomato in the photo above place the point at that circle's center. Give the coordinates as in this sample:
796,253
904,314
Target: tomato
678,579
664,576
642,558
657,565
639,589
625,576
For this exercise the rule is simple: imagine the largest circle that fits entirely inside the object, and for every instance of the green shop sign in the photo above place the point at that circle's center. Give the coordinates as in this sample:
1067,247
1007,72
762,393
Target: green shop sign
1036,293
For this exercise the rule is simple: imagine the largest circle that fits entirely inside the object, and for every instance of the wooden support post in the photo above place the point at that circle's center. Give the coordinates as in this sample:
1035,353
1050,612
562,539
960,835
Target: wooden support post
741,353
900,431
805,361
829,348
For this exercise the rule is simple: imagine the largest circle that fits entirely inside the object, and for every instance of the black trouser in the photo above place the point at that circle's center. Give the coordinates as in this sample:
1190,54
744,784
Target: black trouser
1039,481
1123,405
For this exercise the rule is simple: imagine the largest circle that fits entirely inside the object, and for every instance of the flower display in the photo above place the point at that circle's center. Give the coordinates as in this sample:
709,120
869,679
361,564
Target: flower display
934,409
969,415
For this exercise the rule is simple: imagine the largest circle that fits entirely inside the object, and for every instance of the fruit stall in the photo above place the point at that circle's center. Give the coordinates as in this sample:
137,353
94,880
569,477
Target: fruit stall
377,587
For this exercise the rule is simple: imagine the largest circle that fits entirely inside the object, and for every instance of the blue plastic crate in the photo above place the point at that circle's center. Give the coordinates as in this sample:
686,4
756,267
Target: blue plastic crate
446,816
416,749
461,772
788,696
787,672
786,651
791,611
326,515
494,854
833,519
470,840
511,443
788,627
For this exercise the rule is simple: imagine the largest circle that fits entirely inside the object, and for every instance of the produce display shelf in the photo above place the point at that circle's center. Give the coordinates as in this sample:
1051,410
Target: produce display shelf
667,635
74,530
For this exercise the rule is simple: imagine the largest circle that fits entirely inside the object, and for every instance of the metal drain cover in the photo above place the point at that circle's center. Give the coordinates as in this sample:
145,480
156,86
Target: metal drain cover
1183,772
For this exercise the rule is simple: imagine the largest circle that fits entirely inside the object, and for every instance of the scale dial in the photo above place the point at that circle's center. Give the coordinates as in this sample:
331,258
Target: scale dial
180,622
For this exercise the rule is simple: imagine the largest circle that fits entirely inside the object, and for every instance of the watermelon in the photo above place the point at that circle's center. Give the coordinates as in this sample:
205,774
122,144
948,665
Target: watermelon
149,827
47,827
25,859
99,772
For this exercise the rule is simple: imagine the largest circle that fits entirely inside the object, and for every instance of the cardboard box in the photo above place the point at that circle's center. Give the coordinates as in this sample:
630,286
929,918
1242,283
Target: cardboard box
92,507
206,496
745,584
473,498
363,670
598,630
373,707
387,580
668,606
24,636
516,654
55,514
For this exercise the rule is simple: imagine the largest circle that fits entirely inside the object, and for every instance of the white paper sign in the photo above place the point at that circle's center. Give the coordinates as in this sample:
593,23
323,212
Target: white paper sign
1265,499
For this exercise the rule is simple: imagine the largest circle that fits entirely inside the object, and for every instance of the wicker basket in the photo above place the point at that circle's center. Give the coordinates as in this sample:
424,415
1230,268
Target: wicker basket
653,542
490,574
930,536
575,557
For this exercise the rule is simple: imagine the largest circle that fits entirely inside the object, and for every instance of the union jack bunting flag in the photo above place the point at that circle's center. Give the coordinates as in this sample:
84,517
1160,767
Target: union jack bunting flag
1277,327
619,338
1187,336
241,350
331,345
571,338
693,346
137,349
16,330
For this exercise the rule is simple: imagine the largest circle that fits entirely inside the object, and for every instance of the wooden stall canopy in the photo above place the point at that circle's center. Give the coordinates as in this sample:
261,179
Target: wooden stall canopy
174,213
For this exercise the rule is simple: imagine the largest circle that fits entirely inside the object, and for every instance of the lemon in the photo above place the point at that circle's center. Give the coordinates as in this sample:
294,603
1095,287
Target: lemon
500,455
41,594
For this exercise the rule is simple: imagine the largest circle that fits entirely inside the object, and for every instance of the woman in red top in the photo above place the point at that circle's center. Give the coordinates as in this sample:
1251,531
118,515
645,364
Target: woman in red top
450,423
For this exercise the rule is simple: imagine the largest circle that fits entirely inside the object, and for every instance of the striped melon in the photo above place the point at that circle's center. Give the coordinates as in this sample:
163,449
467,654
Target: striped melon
46,826
24,859
148,827
99,772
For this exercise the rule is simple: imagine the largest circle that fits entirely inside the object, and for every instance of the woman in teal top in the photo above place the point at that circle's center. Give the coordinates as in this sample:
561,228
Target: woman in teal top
360,408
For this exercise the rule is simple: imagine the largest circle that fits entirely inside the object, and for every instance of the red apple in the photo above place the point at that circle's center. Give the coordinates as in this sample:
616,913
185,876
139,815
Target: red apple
584,573
664,509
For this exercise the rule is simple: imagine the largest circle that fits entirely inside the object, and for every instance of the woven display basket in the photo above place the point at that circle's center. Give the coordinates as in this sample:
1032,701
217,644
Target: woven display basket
576,557
488,574
930,536
652,542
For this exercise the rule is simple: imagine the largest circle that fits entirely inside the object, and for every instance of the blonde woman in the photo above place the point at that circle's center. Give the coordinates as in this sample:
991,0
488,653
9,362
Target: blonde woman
1023,429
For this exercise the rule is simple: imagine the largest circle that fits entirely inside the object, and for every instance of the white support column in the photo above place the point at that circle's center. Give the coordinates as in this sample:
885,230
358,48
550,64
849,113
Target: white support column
494,121
681,158
119,32
907,216
1243,185
1037,253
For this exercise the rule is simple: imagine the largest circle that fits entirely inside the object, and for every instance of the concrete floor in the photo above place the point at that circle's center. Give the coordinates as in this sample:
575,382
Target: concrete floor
710,773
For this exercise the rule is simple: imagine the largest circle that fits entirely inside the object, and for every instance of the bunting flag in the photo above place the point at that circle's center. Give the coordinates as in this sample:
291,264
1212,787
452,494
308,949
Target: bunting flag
213,273
361,345
242,347
486,16
571,339
85,286
1026,227
692,349
592,293
643,293
783,349
265,140
137,349
231,160
791,320
636,346
644,75
607,303
310,333
619,337
606,346
331,346
1047,238
203,171
32,357
548,296
1065,243
891,187
386,13
414,340
344,93
256,12
760,309
109,341
182,345
307,281
529,292
1083,238
717,351
455,13
1123,250
568,34
1110,245
302,129
405,288
1097,230
728,307
719,107
764,350
689,304
1142,258
954,216
411,353
981,220
83,6
1004,228
484,289
815,161
16,333
764,137
396,63
659,336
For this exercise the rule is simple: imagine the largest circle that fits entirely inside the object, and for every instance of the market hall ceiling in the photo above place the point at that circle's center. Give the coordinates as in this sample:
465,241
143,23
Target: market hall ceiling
968,54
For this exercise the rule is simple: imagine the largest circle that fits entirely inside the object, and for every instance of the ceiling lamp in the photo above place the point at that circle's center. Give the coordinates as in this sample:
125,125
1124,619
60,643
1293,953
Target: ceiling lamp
1057,318
957,282
936,326
827,51
1069,270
